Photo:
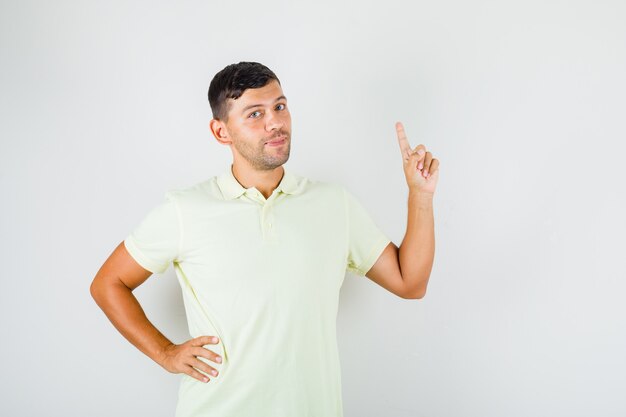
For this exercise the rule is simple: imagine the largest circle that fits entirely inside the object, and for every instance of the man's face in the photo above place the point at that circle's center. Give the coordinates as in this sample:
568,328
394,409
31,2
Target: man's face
255,120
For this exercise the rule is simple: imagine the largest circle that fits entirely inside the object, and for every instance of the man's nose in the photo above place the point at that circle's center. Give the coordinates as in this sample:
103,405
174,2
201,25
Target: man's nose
273,121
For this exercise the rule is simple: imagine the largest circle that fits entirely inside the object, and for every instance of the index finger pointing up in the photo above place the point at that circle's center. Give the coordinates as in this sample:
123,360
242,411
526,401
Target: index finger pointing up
405,148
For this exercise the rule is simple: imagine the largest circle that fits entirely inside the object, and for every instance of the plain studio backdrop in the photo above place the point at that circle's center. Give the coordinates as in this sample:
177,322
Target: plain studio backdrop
104,109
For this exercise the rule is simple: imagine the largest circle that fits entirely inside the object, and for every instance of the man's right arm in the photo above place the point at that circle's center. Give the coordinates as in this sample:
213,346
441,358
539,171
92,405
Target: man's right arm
112,289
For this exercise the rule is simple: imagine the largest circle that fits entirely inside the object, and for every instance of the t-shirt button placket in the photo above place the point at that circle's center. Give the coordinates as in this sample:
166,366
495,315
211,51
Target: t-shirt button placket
268,221
264,220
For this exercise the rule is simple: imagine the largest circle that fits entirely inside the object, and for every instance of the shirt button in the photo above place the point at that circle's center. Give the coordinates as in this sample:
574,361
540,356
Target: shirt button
270,225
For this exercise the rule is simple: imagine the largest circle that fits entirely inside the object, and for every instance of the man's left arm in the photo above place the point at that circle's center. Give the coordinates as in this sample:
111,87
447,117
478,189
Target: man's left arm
405,270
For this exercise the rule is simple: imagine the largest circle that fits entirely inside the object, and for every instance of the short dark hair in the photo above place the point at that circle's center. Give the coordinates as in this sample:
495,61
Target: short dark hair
232,81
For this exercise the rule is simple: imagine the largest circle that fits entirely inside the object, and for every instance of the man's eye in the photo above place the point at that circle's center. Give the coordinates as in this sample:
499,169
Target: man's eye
281,105
253,113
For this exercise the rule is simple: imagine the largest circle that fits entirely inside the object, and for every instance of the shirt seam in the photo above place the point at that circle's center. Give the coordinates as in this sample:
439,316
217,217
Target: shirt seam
179,217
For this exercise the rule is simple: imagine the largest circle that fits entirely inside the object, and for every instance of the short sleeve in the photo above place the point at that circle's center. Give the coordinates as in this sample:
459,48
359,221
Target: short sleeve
366,241
155,242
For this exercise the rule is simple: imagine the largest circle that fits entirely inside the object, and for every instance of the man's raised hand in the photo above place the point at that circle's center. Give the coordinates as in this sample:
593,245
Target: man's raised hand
420,168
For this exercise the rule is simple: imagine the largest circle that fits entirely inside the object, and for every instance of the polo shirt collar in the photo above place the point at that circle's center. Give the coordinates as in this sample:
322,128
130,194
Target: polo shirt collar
231,188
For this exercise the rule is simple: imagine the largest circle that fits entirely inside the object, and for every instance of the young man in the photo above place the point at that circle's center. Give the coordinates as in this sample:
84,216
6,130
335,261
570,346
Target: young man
261,253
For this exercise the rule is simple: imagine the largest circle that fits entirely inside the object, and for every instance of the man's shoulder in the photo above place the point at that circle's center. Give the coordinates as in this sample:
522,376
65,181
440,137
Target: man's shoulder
313,184
335,191
200,191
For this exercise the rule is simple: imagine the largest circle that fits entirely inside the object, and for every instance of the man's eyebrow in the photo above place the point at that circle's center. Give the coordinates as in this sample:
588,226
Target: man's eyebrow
258,105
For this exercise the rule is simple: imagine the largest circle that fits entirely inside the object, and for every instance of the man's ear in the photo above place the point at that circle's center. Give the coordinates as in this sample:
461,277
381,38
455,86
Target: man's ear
218,128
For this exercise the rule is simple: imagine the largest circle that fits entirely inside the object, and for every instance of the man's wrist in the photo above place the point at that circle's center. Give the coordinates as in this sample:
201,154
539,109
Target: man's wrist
162,352
420,195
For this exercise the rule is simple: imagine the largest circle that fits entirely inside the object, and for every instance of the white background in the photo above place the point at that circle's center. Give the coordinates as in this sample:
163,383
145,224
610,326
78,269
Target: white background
104,108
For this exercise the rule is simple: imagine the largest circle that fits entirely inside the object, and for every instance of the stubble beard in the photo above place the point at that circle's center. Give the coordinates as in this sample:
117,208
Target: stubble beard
259,156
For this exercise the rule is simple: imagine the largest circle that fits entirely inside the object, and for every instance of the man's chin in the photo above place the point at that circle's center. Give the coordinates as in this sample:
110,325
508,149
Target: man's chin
275,163
281,158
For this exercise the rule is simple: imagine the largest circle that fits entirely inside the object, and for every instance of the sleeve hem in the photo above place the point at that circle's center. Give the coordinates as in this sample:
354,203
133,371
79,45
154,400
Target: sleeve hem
373,256
142,260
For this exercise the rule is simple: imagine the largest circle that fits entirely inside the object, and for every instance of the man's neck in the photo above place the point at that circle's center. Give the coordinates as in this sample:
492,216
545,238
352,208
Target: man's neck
264,181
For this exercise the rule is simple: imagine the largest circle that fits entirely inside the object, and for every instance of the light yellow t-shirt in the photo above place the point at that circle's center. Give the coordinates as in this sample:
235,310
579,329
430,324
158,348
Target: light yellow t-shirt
264,276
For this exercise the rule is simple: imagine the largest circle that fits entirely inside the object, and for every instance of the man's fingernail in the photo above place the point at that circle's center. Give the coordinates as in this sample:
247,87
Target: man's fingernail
218,359
215,340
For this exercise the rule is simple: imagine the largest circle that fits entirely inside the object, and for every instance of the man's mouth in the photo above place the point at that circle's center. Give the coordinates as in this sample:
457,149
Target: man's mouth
277,141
